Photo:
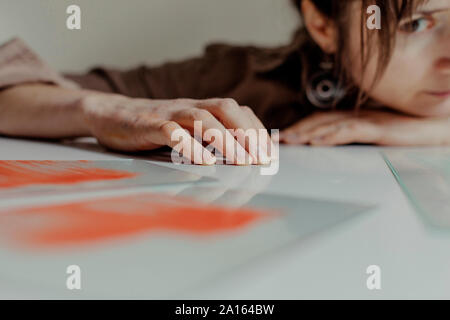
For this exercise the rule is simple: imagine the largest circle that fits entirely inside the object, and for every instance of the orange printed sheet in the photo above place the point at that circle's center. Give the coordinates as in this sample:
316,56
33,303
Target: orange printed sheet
150,245
28,178
92,221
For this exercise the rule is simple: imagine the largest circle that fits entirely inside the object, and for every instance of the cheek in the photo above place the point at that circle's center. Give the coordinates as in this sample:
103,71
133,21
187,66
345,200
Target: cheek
401,83
402,88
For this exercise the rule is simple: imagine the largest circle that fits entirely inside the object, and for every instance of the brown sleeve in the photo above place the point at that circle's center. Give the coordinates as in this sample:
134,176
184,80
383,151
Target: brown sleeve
220,69
261,78
19,64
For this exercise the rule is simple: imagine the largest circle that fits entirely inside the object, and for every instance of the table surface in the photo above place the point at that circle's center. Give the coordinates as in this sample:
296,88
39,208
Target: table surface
414,261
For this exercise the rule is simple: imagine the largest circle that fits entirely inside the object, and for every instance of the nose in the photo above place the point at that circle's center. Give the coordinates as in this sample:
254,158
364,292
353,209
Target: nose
443,66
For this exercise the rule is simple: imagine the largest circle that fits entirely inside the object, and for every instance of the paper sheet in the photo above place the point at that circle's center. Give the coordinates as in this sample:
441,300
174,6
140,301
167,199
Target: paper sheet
152,245
20,179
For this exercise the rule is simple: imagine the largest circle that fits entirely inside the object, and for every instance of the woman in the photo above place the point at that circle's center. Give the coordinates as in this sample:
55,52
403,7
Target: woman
389,87
403,68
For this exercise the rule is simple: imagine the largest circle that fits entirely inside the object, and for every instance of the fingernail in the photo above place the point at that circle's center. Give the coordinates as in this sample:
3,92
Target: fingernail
262,155
240,159
254,154
251,159
210,159
273,153
265,160
241,155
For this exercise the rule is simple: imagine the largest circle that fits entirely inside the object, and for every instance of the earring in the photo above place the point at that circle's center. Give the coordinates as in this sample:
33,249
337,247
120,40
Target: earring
324,90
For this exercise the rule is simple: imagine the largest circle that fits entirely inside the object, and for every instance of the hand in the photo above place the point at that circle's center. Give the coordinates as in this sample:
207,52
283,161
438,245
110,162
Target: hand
236,187
127,124
370,126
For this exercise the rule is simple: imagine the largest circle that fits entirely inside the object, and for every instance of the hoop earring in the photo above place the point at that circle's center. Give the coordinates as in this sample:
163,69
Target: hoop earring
324,90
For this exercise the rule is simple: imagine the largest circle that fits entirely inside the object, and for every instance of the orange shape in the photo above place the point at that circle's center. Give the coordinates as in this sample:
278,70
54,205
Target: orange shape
24,173
107,218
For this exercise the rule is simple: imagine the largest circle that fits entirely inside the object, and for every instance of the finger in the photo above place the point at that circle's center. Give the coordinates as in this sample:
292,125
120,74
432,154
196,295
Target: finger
319,131
244,188
230,114
235,191
233,179
265,143
235,198
173,135
253,180
243,191
221,139
291,134
204,194
349,131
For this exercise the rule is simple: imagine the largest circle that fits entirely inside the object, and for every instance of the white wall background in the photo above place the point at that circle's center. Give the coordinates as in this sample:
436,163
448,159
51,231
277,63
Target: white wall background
128,32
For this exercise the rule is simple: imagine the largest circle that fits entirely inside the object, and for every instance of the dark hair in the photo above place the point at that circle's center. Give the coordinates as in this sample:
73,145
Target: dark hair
392,13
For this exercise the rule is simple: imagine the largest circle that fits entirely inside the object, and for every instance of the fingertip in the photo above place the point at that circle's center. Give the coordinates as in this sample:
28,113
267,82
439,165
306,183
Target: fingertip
244,160
251,159
210,159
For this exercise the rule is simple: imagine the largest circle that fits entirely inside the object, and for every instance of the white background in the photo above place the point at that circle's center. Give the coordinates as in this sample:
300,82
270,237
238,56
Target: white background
125,33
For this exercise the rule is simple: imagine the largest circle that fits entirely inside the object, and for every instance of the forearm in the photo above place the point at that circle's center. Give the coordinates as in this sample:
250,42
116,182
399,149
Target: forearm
42,111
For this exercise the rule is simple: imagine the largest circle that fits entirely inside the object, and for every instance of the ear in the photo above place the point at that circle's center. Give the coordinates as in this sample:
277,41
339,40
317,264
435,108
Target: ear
321,28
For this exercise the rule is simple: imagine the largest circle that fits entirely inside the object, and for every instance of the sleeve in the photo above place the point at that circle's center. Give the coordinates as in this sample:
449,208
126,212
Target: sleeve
19,64
219,70
261,78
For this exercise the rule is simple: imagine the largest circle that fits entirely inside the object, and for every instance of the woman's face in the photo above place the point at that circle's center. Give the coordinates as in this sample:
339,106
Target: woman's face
417,78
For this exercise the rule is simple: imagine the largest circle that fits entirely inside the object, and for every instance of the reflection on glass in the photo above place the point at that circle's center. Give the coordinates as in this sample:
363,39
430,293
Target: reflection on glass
151,245
19,179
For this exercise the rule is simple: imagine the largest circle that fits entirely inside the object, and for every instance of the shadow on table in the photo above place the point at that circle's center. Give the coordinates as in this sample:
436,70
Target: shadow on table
162,154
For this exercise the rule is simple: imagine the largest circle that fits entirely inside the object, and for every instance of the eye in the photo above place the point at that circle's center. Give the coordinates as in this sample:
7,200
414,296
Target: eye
417,25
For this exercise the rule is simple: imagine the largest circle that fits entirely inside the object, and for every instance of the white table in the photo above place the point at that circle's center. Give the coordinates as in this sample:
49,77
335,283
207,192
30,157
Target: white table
415,262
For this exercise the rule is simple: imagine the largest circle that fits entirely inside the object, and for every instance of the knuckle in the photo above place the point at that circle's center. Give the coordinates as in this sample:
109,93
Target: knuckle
230,101
201,114
182,101
193,114
227,105
167,127
247,109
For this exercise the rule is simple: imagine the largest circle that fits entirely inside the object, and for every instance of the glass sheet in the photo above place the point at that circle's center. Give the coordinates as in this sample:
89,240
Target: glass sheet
154,245
424,175
19,179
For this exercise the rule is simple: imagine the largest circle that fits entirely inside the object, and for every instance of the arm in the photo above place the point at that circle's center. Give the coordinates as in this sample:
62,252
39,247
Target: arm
30,108
42,111
29,105
261,78
129,124
387,128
